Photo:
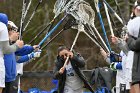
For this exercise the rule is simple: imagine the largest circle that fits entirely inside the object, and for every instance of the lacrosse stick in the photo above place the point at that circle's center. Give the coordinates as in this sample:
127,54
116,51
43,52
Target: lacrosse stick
106,48
74,42
76,9
20,33
29,4
22,19
101,22
95,40
114,12
50,24
18,84
108,19
47,36
67,26
32,15
116,1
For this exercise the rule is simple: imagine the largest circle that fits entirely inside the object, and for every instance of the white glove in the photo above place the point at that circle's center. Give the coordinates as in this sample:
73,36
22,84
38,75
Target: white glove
34,54
37,54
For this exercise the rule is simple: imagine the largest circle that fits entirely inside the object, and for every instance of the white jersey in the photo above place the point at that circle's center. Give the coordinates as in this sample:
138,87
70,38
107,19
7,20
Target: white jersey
129,64
2,72
124,76
120,77
133,27
3,37
72,79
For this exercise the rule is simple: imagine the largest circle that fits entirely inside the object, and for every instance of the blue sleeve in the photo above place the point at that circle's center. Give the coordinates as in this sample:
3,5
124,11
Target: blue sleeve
119,66
23,59
24,51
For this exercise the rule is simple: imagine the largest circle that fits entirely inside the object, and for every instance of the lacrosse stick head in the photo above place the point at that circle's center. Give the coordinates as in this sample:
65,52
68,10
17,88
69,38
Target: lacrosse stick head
70,23
82,11
79,9
59,6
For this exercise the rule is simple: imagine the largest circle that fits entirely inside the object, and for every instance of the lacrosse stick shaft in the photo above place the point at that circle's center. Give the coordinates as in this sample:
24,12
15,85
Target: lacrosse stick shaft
104,31
101,38
52,39
96,2
32,15
114,25
91,31
74,42
68,25
50,24
18,85
29,4
22,19
108,18
116,1
113,12
94,40
48,35
89,28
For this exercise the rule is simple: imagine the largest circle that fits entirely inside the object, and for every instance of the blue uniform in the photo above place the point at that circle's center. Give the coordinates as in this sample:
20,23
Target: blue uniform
10,62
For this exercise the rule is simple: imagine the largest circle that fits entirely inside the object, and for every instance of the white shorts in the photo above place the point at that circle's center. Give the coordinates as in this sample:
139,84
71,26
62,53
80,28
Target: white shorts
2,73
70,90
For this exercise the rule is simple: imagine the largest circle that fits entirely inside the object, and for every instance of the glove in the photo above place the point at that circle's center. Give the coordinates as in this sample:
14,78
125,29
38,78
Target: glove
116,66
125,28
34,54
124,32
112,66
37,54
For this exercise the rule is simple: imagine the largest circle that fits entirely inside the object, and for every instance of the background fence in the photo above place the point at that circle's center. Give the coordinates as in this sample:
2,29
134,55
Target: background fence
41,80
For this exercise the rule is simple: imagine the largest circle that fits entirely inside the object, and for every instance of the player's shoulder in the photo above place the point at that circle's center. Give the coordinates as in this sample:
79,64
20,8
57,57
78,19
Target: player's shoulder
2,26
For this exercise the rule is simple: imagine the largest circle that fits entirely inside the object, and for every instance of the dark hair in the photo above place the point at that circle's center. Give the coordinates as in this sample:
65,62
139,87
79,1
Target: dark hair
62,47
138,1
